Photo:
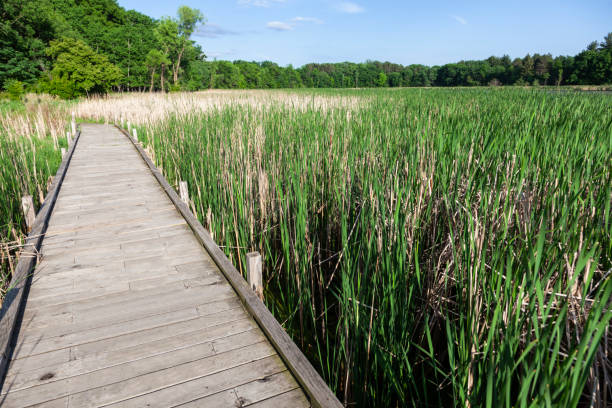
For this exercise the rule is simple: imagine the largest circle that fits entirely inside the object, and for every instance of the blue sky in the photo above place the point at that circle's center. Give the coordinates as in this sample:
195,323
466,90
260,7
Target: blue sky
406,32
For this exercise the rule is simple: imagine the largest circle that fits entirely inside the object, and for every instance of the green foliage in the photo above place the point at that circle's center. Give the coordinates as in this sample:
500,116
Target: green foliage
155,61
78,70
167,34
588,67
426,248
174,37
29,155
125,37
594,66
227,75
520,82
198,75
26,27
61,86
14,89
188,18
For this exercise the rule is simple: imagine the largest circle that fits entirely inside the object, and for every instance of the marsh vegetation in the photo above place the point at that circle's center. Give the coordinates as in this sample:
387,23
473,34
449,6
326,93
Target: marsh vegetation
32,134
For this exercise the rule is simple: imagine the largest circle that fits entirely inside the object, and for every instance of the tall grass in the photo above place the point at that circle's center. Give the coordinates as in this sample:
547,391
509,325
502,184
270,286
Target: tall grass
31,135
423,247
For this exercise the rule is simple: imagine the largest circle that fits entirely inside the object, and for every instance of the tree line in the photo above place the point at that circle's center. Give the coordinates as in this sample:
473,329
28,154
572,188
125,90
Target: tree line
77,47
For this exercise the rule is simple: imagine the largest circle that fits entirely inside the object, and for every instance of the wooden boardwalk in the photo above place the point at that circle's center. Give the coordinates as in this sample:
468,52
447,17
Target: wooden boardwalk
127,308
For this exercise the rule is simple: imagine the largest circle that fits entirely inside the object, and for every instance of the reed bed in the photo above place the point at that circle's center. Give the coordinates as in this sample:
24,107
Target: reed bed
423,247
31,136
120,108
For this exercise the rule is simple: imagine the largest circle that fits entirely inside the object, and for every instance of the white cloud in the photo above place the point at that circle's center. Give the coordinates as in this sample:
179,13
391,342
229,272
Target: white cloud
307,20
279,26
213,31
350,8
259,3
460,20
291,24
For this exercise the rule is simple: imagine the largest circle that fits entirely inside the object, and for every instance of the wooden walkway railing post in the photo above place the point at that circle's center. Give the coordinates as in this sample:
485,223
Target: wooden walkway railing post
254,266
184,192
27,205
135,135
73,123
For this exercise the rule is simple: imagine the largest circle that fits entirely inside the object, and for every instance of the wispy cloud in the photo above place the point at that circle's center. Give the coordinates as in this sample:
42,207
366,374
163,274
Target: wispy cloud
213,31
349,7
279,26
307,20
292,23
460,20
259,3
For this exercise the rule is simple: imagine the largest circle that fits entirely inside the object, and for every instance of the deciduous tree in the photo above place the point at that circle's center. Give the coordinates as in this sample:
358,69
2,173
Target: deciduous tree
154,60
188,18
78,70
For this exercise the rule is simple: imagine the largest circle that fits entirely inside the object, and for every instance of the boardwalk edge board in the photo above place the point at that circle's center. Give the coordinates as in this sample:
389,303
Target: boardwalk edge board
315,388
16,297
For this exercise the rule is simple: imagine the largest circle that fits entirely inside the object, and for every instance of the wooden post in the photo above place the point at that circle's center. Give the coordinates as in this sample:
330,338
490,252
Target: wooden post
135,135
27,205
68,138
129,127
184,192
73,123
63,151
254,277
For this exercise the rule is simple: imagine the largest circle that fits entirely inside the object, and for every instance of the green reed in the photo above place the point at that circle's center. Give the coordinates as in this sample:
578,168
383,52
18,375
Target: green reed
29,157
426,248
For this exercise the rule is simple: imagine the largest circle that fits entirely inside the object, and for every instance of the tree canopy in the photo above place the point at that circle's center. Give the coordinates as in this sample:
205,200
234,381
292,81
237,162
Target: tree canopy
78,70
159,54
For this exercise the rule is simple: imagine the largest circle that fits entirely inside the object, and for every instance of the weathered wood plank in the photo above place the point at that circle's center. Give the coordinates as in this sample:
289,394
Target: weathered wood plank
98,329
130,299
110,358
106,317
110,384
188,391
293,398
175,374
132,339
249,393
